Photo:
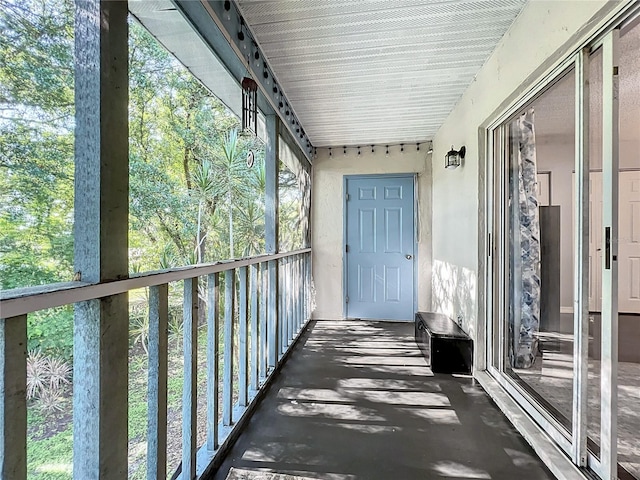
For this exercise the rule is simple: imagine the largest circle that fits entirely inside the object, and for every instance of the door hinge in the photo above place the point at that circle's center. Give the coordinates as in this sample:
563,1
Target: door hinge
346,248
348,197
347,300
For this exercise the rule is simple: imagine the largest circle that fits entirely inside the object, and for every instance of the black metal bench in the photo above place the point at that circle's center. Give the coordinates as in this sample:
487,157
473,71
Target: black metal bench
447,348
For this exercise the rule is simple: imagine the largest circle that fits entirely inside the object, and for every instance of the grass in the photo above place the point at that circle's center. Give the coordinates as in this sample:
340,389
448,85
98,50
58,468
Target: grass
50,458
50,438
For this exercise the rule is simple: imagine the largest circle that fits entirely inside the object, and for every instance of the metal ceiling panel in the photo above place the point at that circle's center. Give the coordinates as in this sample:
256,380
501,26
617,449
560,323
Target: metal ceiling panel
376,71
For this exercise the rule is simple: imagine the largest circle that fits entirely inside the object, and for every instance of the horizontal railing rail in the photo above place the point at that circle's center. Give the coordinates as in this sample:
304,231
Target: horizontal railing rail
264,306
22,301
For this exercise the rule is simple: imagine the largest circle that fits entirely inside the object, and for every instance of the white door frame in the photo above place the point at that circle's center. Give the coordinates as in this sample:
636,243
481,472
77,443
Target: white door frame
345,266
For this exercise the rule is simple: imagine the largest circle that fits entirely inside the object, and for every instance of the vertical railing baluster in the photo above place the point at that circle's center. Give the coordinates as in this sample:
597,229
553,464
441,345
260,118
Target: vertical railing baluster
227,368
157,385
253,363
298,294
294,296
273,320
296,282
282,292
243,354
264,320
284,310
302,291
13,397
292,299
289,302
308,288
284,313
190,381
213,360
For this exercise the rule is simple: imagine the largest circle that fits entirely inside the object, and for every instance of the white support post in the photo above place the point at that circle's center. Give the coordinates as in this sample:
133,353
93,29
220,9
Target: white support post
190,381
227,367
101,205
243,354
157,385
255,313
581,265
610,163
213,360
13,398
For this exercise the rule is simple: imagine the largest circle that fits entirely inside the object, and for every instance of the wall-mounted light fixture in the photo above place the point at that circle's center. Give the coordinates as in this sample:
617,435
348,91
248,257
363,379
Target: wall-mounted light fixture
453,157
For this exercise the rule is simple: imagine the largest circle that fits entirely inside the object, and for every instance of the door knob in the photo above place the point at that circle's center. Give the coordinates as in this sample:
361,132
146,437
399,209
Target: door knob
408,257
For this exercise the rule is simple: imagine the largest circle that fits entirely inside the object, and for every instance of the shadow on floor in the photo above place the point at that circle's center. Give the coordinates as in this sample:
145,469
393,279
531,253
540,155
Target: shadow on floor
356,400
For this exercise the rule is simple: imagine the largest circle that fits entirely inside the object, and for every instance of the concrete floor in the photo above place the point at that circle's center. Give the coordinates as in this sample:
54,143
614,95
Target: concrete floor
356,400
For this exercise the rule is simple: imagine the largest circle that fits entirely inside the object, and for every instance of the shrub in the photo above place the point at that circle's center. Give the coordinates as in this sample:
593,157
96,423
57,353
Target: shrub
139,331
47,380
37,377
51,331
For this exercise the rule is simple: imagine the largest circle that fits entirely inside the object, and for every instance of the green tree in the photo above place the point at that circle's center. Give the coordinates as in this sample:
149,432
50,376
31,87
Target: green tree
36,142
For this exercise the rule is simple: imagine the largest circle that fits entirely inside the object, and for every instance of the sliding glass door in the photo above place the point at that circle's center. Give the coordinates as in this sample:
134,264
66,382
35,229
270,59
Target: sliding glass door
565,274
628,251
539,334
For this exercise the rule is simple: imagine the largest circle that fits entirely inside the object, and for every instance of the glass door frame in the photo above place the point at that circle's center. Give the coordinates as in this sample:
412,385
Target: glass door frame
498,298
609,342
573,443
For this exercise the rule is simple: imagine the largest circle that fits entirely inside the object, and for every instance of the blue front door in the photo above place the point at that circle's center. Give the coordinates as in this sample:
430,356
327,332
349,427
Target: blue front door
379,247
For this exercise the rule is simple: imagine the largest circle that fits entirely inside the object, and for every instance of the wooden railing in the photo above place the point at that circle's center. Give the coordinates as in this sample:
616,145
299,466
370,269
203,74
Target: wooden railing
273,304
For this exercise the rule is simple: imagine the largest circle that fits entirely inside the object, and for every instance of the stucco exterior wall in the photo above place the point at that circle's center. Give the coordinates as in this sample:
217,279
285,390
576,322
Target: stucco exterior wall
327,218
542,31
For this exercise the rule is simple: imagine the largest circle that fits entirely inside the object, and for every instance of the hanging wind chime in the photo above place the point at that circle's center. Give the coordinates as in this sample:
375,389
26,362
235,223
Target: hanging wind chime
249,105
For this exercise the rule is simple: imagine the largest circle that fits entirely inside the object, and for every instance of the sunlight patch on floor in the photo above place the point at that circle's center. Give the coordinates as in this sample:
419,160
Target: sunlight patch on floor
247,474
372,429
413,370
274,452
421,399
312,394
382,360
387,384
458,470
521,459
339,412
440,416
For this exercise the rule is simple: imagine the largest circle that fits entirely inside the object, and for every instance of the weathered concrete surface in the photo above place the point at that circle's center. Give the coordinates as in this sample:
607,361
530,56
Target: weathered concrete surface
356,401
